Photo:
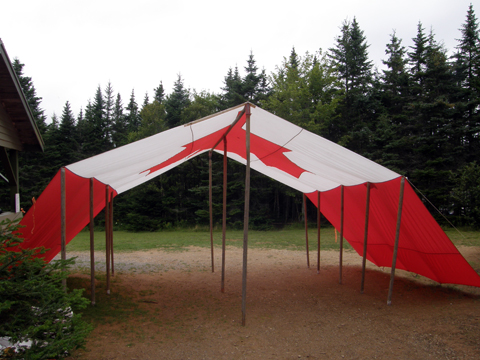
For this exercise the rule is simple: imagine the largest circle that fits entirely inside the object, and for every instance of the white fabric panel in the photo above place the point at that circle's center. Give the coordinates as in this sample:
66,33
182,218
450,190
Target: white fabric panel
326,164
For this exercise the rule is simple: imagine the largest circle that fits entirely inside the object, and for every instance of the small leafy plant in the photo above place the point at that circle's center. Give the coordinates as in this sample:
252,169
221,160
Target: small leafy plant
36,314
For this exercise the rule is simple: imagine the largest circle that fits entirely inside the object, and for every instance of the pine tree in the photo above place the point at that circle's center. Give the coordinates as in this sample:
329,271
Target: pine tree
109,103
132,117
120,129
467,77
232,91
350,56
68,145
176,102
159,93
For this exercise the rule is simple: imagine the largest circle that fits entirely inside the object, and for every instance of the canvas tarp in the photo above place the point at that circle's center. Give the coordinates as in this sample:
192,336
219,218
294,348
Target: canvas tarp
282,151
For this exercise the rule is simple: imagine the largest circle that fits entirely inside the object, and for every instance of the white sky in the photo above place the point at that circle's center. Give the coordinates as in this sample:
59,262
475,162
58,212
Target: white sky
70,47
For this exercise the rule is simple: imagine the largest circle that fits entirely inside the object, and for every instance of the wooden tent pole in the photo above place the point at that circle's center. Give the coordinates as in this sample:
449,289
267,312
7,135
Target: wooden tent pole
397,237
107,242
365,238
63,220
318,232
224,216
111,233
341,232
210,200
246,213
92,246
306,228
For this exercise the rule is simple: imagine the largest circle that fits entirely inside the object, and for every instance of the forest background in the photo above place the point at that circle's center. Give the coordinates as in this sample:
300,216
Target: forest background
419,116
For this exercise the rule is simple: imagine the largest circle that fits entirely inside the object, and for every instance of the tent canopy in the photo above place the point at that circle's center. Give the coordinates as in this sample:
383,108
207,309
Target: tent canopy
282,151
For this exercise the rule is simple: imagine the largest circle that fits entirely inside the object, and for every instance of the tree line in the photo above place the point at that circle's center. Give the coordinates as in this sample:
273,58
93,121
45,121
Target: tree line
418,116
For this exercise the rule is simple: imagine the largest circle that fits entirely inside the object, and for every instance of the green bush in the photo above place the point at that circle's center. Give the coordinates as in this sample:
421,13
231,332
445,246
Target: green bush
34,307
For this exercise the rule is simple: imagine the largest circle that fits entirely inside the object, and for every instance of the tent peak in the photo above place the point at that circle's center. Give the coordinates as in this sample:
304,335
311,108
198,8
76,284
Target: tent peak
219,113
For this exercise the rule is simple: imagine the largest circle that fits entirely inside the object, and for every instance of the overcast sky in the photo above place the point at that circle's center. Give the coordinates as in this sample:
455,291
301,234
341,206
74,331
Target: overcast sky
71,47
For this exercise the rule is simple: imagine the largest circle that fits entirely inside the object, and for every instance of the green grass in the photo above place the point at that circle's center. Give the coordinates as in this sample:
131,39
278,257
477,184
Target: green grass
179,240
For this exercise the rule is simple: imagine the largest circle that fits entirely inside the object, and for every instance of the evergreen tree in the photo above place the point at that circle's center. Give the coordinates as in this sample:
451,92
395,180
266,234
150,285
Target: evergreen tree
159,93
350,56
109,104
176,102
232,91
119,127
467,77
132,117
254,87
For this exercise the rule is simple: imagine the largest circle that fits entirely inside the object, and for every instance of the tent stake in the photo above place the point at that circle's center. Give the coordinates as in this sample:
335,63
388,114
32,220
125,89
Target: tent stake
92,247
246,213
341,232
111,233
318,232
365,238
210,199
224,216
306,229
397,236
63,221
107,242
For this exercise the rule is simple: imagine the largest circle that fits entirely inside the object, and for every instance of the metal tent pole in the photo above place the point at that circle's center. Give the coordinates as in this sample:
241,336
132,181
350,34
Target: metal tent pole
365,238
397,237
210,200
246,213
224,212
341,232
63,220
318,232
306,228
92,246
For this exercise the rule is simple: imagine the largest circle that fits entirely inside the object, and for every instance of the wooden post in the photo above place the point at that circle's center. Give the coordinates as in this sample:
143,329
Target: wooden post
92,246
63,220
365,238
341,233
397,237
111,233
246,213
210,200
224,216
318,232
306,228
107,240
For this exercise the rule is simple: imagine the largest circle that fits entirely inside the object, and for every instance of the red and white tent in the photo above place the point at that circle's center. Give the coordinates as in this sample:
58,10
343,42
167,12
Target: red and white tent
282,151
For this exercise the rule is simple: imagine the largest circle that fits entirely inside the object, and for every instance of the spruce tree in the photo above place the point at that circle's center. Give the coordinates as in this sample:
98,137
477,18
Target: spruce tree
176,102
159,93
132,116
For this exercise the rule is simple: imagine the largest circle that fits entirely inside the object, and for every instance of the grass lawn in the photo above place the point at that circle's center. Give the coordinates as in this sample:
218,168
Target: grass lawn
177,240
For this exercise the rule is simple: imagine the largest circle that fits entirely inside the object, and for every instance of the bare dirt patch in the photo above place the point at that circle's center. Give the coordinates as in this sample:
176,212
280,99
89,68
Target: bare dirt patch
292,312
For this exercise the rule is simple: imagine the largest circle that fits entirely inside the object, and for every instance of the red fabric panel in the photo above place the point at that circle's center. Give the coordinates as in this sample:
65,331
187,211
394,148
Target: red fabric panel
43,222
424,248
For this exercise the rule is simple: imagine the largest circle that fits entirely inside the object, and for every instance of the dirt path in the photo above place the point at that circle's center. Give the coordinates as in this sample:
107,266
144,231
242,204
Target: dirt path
292,312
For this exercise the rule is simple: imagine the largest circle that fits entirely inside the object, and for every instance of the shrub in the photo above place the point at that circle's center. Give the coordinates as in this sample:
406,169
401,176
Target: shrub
34,307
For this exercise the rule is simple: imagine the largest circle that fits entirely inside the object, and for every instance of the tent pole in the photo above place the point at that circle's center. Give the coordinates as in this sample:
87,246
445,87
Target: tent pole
318,232
365,238
107,242
92,247
210,199
397,236
246,212
111,233
306,228
341,231
63,221
224,216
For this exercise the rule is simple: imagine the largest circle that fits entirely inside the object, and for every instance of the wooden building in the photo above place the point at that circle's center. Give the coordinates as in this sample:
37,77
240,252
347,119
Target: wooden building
18,131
